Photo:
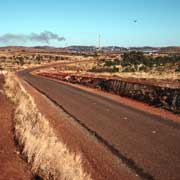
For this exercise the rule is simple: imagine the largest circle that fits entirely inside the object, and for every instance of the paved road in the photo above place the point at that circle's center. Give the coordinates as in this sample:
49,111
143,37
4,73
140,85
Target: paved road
147,143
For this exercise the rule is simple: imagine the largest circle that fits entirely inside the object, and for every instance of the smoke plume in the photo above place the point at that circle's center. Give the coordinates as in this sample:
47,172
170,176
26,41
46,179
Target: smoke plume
43,37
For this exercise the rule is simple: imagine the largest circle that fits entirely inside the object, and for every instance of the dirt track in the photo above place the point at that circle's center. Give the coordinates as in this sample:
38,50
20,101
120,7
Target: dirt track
12,167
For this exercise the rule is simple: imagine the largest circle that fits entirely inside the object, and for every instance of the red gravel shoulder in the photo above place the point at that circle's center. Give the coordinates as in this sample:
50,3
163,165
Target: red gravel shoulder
12,167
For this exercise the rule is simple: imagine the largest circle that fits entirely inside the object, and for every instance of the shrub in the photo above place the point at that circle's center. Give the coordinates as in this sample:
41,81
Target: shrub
178,68
137,58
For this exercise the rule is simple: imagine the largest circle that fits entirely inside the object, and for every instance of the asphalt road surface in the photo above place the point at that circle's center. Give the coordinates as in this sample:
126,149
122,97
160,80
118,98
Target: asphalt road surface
148,144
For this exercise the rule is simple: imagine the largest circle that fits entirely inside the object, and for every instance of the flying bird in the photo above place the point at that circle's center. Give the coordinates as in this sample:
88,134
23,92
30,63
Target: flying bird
135,21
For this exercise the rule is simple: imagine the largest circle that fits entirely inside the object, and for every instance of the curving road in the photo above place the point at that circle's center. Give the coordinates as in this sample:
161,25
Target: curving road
148,144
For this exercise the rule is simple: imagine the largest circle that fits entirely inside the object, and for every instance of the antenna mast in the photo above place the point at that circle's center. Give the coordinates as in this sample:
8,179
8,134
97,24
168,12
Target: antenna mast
99,41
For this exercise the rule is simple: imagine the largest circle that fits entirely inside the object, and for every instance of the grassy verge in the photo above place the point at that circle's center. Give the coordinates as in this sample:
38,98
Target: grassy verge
48,156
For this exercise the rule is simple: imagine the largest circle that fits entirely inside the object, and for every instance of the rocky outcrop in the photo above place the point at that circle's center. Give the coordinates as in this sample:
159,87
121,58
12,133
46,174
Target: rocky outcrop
159,95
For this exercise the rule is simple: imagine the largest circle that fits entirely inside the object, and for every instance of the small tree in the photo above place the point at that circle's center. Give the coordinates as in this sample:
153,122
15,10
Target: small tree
38,59
133,58
56,58
21,60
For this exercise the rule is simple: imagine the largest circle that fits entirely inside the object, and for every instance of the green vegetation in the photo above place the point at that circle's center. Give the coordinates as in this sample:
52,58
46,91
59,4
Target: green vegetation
16,62
38,59
112,63
20,60
178,69
137,62
137,58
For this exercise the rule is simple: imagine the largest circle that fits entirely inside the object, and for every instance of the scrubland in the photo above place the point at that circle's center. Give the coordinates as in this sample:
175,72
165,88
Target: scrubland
133,64
47,155
14,59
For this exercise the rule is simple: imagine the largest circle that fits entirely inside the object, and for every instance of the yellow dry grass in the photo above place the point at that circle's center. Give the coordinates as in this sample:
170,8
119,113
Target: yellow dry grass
146,75
48,156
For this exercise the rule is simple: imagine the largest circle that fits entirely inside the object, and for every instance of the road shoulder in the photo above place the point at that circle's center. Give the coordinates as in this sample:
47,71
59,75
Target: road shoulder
12,167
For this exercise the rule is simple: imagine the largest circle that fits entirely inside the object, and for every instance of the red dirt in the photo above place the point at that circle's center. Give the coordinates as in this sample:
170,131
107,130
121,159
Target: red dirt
12,167
164,83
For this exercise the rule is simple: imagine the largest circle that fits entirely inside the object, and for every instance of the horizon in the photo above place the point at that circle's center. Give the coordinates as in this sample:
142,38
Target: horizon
123,24
47,46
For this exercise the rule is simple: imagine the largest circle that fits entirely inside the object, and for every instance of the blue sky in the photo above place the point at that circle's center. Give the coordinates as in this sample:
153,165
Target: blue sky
80,21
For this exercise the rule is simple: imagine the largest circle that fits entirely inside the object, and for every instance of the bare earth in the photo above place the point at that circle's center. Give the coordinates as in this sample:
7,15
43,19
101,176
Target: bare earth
12,167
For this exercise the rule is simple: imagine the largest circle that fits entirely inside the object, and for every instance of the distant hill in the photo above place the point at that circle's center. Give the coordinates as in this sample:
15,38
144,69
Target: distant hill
170,49
92,49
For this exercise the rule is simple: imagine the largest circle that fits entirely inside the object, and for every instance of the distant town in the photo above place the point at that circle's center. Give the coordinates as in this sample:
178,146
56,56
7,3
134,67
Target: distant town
94,49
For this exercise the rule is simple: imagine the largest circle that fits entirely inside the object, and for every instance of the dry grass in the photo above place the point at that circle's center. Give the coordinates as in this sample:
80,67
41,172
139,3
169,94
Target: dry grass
139,75
81,66
48,156
168,71
146,75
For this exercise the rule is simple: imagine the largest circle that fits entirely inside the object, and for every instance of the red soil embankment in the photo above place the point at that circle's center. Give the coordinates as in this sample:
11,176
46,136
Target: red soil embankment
160,94
11,165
